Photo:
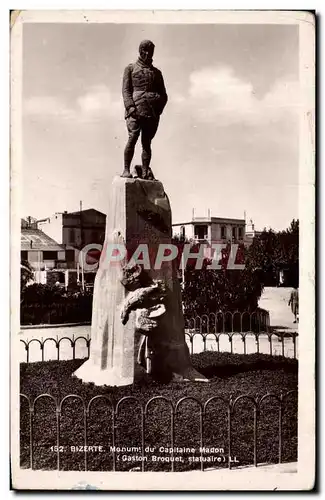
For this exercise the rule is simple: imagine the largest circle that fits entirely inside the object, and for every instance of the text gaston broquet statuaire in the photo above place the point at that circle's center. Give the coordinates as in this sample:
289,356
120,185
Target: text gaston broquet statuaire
134,453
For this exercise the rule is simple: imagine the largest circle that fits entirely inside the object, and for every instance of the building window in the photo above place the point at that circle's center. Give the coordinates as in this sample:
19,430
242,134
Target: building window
223,232
240,233
71,236
61,278
69,255
50,255
183,232
234,233
24,255
201,232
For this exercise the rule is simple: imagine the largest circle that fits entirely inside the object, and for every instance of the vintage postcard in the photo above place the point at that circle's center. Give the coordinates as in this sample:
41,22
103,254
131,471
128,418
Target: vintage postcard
162,243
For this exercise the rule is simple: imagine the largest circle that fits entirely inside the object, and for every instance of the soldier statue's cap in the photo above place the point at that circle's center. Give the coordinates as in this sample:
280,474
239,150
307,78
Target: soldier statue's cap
146,44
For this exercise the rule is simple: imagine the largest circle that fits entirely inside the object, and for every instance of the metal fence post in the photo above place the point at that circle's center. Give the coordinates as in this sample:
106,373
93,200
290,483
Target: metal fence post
201,438
143,426
256,414
229,432
31,436
58,415
85,435
280,428
172,435
113,438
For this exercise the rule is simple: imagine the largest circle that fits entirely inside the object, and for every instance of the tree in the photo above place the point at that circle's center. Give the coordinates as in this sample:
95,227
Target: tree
209,291
272,252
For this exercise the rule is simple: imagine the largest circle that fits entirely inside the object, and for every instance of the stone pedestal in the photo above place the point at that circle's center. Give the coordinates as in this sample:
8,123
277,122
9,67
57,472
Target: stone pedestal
139,214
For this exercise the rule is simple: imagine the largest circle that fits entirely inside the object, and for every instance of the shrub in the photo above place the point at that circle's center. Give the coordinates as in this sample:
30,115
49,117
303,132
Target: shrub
209,291
44,304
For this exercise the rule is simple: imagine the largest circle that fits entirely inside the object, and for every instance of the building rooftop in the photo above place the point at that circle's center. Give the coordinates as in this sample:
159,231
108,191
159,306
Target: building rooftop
35,239
85,212
211,220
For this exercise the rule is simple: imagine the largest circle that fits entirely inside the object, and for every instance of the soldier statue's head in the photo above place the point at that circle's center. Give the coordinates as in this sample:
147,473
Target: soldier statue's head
146,50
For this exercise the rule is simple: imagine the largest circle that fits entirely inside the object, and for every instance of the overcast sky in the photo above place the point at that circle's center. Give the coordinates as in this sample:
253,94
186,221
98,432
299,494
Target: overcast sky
228,139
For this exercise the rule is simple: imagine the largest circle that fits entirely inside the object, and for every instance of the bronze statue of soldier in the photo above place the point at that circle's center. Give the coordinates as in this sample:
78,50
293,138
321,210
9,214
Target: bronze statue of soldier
145,97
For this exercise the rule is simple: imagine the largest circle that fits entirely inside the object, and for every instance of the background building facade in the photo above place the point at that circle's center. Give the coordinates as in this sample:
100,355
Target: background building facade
52,245
75,230
215,229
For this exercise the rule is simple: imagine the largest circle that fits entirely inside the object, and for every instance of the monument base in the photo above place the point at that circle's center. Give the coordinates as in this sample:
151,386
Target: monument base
139,216
89,372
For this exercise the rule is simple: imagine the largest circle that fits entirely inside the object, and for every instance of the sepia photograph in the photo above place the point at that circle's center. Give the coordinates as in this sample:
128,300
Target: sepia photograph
162,250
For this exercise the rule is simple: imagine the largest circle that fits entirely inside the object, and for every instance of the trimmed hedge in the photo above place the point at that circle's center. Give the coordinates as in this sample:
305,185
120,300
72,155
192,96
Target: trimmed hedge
43,304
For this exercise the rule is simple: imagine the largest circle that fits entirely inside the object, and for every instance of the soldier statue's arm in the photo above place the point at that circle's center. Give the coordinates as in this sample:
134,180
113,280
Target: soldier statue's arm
127,91
162,91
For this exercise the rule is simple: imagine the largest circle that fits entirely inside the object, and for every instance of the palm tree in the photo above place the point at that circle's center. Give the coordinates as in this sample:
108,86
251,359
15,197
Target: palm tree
26,274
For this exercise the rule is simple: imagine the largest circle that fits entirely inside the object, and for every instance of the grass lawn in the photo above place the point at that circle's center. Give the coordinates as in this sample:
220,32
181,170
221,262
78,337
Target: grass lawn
229,374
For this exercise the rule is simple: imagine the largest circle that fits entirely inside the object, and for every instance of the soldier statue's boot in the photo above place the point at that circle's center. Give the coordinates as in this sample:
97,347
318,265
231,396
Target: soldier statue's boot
147,173
126,173
137,172
144,172
150,175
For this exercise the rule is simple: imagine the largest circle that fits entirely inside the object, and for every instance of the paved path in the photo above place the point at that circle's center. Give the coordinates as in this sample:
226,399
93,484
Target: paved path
275,300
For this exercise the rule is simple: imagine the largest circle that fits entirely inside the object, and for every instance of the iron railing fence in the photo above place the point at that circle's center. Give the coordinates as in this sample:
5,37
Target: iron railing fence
209,329
230,405
230,321
241,325
57,345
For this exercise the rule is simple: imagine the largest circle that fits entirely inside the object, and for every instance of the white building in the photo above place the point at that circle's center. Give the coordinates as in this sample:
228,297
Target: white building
75,230
251,232
215,229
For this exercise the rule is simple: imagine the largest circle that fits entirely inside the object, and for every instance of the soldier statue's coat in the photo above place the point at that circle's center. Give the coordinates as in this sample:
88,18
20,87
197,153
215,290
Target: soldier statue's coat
143,90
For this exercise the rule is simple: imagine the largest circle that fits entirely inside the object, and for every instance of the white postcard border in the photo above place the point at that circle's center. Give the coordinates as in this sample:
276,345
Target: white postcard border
242,479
